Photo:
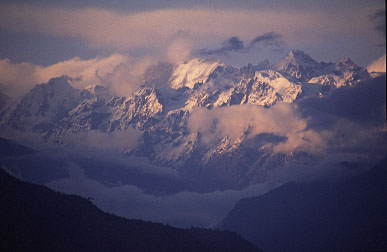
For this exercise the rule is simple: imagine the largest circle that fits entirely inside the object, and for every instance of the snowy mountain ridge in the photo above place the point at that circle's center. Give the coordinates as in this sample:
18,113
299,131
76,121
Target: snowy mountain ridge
161,113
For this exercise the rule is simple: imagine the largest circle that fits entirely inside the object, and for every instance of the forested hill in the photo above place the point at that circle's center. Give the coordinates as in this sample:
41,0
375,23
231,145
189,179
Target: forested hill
35,218
319,216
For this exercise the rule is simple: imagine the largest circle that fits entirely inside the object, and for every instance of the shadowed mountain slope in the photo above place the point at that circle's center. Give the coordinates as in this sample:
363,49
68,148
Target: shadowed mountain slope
35,218
318,216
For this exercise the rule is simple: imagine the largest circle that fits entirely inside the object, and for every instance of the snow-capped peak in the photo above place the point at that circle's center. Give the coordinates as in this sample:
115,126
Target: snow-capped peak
298,65
283,87
298,57
45,105
189,73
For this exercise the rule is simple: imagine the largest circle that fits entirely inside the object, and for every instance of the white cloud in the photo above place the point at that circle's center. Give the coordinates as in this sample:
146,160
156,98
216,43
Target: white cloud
378,65
282,119
121,74
178,50
84,72
126,78
19,78
181,209
16,79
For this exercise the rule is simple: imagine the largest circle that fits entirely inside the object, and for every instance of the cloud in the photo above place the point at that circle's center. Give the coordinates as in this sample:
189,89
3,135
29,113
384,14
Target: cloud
19,78
127,77
234,44
182,209
378,66
354,119
16,79
270,39
178,50
153,29
364,103
121,74
379,19
281,120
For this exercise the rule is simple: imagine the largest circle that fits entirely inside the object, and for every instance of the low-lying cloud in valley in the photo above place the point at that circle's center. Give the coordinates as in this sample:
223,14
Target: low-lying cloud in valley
182,209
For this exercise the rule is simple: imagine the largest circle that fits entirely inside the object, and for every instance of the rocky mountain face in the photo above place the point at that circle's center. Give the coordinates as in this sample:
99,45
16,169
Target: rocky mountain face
160,110
44,106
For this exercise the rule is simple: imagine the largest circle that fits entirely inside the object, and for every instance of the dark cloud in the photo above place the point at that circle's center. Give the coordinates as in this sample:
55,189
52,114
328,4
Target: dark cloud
270,39
379,18
234,44
365,104
353,121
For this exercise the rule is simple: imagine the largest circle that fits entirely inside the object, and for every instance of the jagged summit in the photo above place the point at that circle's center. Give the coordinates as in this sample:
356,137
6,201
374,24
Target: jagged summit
161,107
264,64
60,81
299,58
167,88
342,73
347,64
298,64
45,104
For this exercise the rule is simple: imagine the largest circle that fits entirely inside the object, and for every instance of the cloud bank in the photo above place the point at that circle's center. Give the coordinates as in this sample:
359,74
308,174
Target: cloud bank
182,209
121,74
17,79
153,29
282,120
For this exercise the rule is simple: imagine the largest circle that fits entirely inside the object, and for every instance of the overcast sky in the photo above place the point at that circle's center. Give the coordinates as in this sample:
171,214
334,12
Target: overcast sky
45,32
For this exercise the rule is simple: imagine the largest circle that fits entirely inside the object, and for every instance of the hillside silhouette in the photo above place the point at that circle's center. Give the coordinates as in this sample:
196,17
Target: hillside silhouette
35,218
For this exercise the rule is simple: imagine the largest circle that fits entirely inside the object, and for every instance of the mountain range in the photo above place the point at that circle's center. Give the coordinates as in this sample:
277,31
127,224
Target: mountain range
186,145
164,112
